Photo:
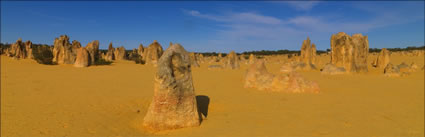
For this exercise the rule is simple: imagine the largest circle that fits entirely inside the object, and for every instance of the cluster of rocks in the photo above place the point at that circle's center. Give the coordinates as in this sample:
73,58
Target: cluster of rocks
20,50
65,52
412,53
258,77
399,70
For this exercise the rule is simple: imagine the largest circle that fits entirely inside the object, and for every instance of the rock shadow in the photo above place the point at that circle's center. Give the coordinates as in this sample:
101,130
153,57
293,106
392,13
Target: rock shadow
202,103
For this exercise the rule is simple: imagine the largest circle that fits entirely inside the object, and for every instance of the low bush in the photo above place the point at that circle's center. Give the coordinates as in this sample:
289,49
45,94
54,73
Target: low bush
43,54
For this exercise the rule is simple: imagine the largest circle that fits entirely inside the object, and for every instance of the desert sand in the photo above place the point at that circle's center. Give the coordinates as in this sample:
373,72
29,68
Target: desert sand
111,100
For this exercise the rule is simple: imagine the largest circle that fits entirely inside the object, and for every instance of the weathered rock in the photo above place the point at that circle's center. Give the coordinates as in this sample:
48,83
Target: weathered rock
17,50
119,53
308,52
174,103
313,53
133,53
93,49
258,77
109,56
331,69
383,59
404,68
214,59
193,60
83,58
152,53
63,51
413,66
201,58
232,61
140,50
350,52
391,70
287,68
251,59
28,49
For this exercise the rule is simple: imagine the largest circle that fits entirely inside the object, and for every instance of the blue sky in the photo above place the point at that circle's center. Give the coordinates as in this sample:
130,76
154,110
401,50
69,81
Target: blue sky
218,26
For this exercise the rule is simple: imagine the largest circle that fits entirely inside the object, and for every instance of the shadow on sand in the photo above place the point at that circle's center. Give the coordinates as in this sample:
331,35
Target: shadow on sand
202,102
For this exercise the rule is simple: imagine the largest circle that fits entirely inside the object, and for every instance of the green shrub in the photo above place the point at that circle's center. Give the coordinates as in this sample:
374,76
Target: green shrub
42,54
101,61
136,58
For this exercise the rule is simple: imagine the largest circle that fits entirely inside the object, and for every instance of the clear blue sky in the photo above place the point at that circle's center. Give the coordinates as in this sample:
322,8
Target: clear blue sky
214,26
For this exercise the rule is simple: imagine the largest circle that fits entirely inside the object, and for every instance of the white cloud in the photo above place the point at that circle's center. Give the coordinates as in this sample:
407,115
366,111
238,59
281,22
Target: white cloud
251,28
244,17
302,5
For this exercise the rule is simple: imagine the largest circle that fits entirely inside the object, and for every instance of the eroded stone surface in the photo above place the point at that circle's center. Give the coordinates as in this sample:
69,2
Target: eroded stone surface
258,77
174,103
350,52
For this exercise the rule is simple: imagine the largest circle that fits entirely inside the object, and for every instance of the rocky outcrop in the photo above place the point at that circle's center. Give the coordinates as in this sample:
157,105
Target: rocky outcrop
133,54
251,59
17,50
399,70
119,53
391,70
383,59
152,53
93,49
350,52
331,69
140,50
63,51
83,58
109,56
174,104
258,77
232,61
308,52
193,60
28,49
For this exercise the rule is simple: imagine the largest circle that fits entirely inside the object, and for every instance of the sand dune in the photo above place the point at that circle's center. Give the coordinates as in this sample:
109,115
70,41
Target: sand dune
61,100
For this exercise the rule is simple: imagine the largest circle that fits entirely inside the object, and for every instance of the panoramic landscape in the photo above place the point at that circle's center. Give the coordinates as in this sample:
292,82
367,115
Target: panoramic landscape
209,69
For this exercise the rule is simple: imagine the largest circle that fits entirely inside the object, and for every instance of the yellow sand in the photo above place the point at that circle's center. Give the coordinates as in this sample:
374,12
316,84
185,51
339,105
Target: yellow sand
63,101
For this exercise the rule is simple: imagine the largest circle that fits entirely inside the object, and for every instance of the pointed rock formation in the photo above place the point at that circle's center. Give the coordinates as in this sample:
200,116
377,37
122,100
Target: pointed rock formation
174,104
152,53
350,52
28,49
140,50
17,50
93,49
109,56
383,59
193,60
83,58
232,61
119,53
308,52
